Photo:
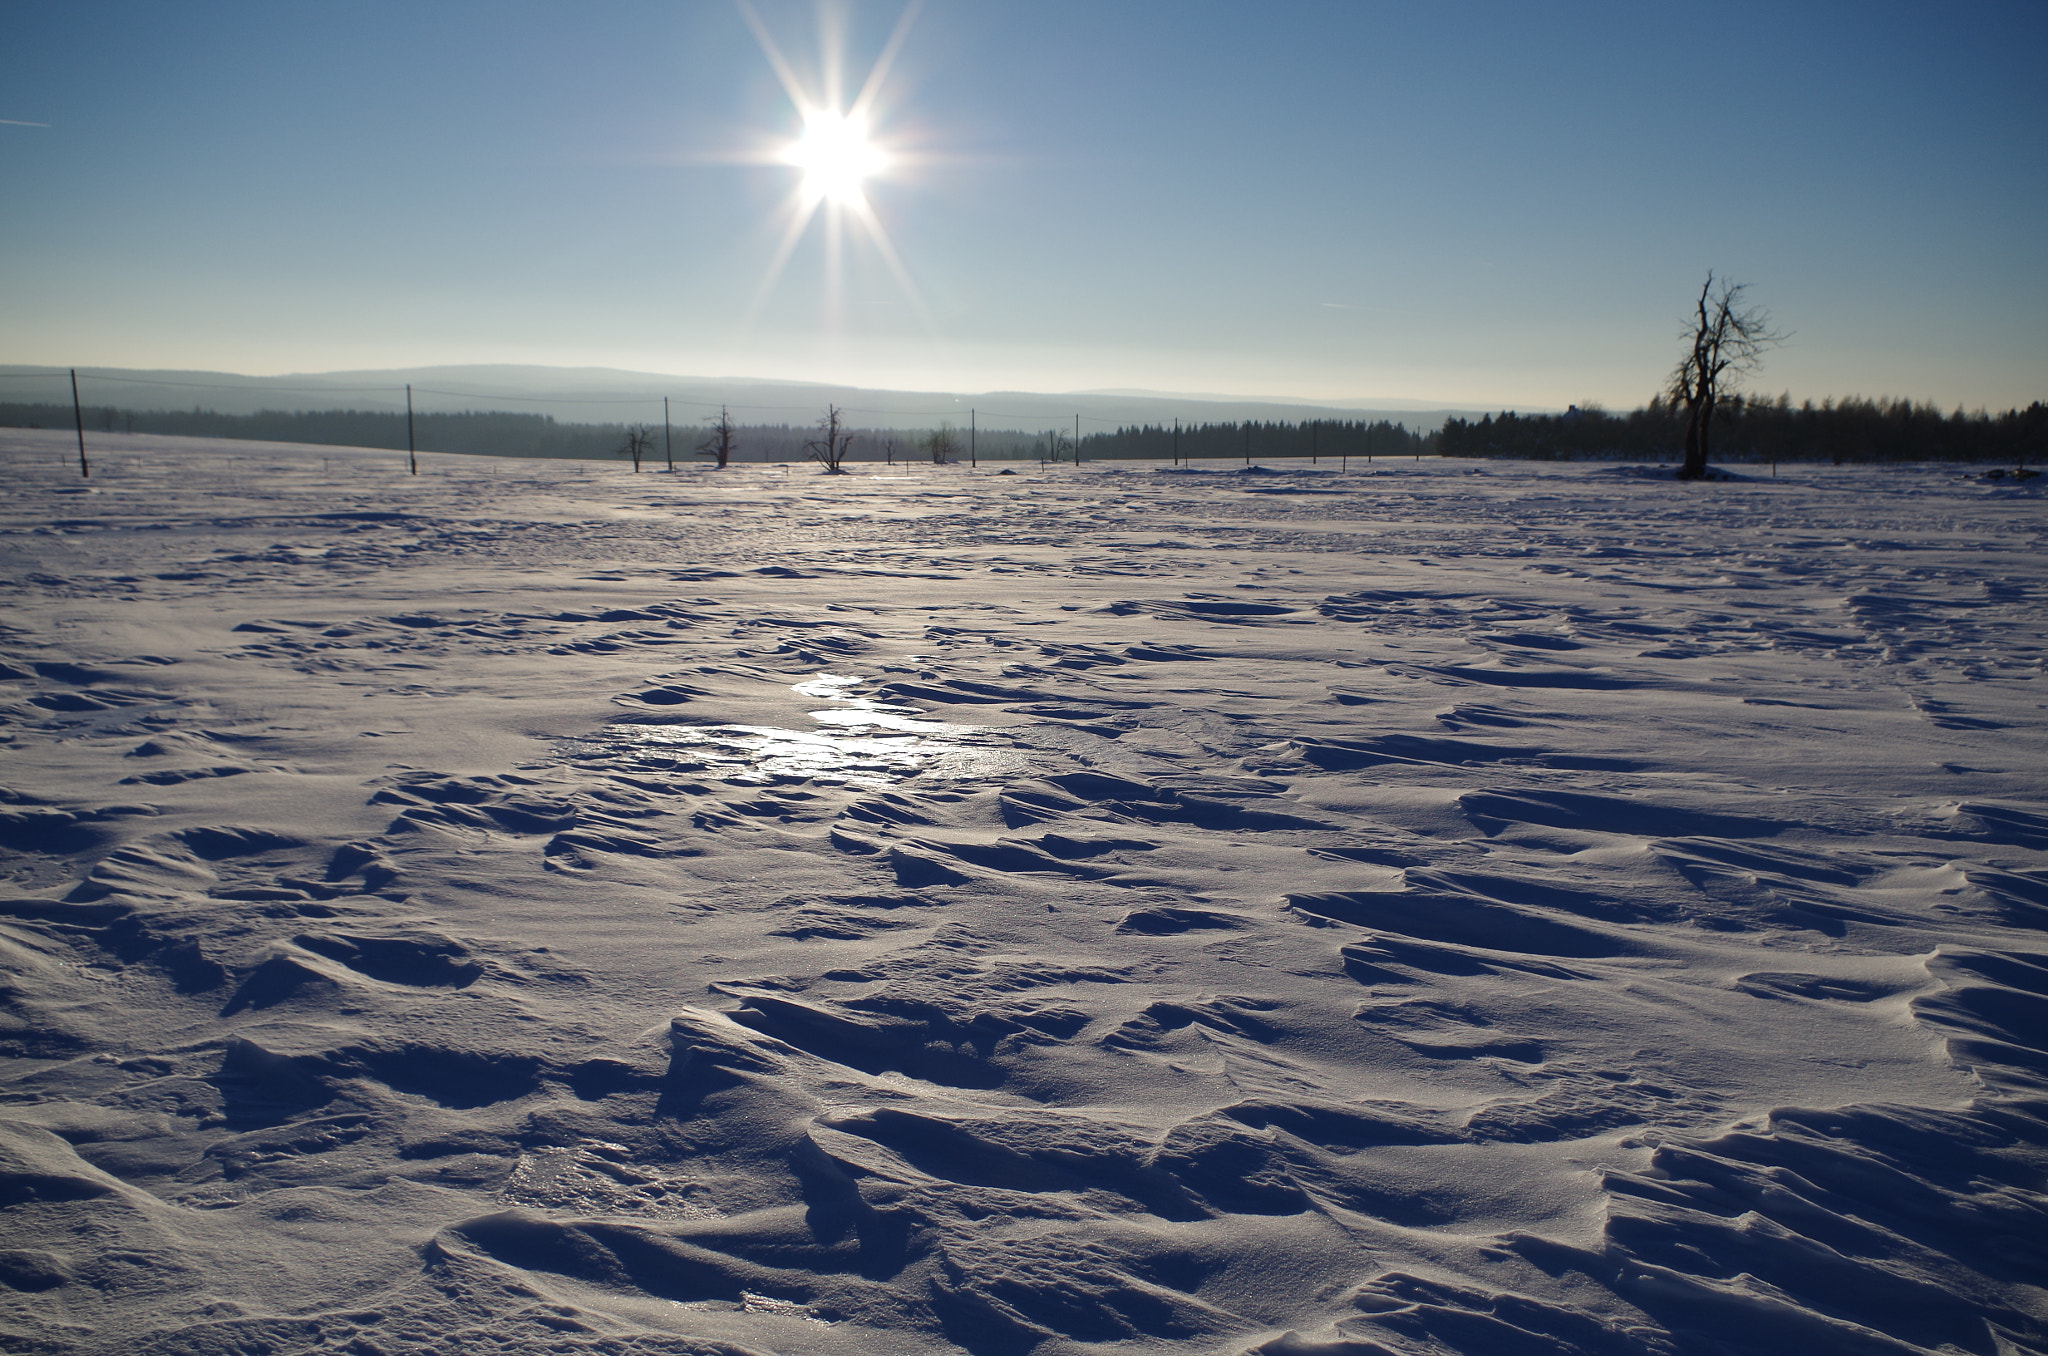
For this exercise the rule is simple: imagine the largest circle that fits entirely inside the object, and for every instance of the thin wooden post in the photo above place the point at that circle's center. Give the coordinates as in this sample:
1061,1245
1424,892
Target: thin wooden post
78,417
412,457
1176,442
973,456
1077,440
1247,442
667,450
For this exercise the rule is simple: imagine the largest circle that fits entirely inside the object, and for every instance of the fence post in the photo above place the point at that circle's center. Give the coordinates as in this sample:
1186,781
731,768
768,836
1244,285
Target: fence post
78,417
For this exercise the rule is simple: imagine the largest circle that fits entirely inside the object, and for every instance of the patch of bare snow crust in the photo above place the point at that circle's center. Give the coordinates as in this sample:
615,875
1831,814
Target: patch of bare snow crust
1397,911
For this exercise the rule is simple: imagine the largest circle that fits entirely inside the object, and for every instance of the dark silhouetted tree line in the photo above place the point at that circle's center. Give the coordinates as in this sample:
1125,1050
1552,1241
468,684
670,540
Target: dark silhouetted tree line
514,435
1319,438
1761,430
476,433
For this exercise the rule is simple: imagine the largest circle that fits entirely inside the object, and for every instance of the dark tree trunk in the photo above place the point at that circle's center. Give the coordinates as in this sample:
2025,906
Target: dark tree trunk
1699,423
1695,464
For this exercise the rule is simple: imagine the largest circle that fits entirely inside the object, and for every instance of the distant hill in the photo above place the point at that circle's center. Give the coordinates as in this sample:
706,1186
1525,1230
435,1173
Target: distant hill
602,395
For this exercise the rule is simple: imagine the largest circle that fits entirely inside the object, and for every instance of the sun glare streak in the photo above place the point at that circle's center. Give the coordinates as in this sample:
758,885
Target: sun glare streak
832,54
887,249
873,85
776,61
835,269
836,154
792,232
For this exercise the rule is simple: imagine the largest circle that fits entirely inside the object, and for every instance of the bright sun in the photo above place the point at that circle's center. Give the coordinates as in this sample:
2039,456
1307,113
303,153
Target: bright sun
837,158
835,155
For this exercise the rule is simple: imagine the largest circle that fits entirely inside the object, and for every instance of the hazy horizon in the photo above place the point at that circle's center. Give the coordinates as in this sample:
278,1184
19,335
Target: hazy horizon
1327,204
611,395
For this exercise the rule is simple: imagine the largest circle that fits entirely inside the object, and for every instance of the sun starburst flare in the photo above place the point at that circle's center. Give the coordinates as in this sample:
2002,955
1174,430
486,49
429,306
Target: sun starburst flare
837,153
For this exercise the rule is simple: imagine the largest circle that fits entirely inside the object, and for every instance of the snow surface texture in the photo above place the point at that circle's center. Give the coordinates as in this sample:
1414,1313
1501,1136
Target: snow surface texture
537,908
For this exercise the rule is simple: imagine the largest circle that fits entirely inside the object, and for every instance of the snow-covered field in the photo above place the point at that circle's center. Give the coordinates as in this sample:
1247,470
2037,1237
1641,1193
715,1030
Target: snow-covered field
1439,908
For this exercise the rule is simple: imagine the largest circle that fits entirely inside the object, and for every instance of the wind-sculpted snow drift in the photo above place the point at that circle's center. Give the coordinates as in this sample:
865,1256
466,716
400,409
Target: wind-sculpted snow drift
1535,912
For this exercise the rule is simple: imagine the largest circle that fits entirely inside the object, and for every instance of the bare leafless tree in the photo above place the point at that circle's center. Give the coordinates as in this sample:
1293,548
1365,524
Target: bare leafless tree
1724,341
719,442
1058,446
833,442
943,443
639,439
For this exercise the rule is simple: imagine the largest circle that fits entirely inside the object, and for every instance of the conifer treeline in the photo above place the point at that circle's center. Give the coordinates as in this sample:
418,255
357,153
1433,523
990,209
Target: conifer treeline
478,433
1851,430
488,433
1837,431
512,435
484,433
1318,438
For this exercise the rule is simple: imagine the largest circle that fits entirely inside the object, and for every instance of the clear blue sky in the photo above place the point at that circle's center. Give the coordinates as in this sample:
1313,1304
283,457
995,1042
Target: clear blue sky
1443,202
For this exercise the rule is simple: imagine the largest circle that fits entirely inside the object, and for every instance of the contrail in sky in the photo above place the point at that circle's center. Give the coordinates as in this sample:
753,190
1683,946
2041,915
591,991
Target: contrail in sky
16,122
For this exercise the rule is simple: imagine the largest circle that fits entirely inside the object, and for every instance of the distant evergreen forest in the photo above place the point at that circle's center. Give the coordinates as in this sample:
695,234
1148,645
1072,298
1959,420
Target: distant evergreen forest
505,435
475,433
1837,431
483,433
1317,438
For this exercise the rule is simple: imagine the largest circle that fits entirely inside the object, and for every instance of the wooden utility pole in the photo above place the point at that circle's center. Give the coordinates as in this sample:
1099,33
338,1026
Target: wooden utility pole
667,451
973,457
412,457
78,417
1313,431
1077,440
1176,442
1247,442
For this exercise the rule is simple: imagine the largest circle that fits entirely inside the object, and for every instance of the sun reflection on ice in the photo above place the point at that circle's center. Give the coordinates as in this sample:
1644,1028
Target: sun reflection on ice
865,713
866,743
